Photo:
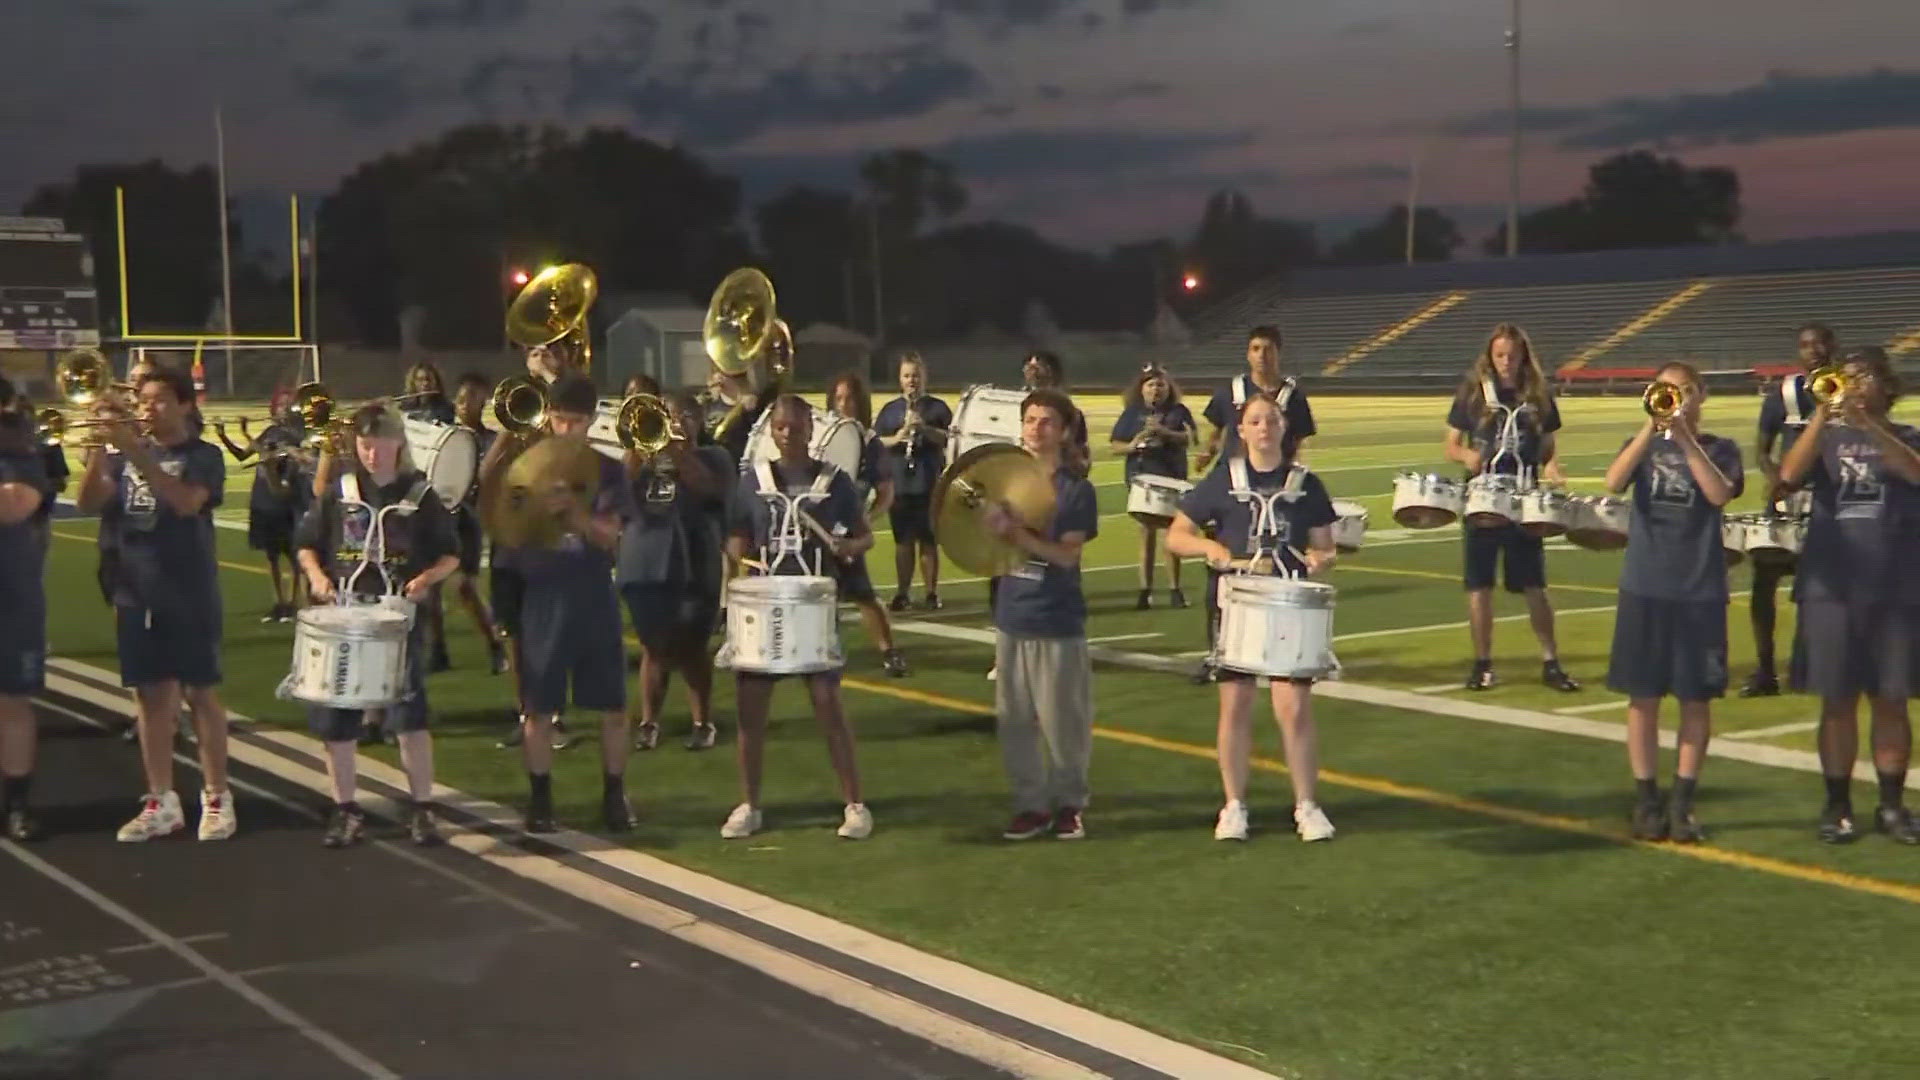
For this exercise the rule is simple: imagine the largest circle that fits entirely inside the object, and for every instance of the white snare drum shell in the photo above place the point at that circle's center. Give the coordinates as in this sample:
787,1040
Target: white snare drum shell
1599,523
1544,513
783,625
1492,501
1278,627
1426,502
1349,526
349,657
1154,500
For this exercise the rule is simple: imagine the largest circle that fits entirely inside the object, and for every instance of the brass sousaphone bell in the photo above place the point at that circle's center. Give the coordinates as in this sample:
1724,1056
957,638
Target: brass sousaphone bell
979,478
552,310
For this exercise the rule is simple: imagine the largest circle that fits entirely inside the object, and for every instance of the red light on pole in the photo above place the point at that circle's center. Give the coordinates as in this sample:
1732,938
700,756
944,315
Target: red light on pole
1190,282
521,277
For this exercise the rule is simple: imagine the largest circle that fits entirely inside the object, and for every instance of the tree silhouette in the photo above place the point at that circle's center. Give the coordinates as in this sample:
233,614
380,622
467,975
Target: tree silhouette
809,236
1636,199
1435,236
1233,246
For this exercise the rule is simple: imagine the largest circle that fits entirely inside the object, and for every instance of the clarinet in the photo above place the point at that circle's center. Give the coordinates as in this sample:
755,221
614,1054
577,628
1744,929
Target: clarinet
913,435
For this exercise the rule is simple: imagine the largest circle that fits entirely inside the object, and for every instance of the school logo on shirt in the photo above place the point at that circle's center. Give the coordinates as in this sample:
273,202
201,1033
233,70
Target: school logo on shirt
139,493
1670,483
1861,489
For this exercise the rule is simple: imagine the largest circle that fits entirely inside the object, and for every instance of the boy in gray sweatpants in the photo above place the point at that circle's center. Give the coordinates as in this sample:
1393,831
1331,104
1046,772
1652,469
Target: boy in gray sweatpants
1044,692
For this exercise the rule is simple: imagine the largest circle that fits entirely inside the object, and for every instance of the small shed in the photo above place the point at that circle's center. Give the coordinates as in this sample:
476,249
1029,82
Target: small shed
662,340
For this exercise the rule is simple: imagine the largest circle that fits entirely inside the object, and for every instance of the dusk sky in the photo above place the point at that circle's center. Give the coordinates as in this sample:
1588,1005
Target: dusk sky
1096,121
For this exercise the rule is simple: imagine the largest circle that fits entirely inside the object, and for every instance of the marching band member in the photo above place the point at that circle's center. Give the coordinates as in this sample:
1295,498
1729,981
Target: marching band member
425,397
384,516
848,398
760,519
570,622
470,399
1258,506
1044,693
737,390
1859,598
275,503
1502,422
1046,371
1784,413
26,500
1153,433
914,430
1262,377
1670,628
668,573
159,494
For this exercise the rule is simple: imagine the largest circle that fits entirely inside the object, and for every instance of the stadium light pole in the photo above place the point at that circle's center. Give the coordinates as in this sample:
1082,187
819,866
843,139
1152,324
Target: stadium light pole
226,248
1513,142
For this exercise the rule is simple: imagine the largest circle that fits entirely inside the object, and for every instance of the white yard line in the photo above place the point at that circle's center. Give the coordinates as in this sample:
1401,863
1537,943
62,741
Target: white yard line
1441,688
1122,637
1397,631
1769,732
1600,706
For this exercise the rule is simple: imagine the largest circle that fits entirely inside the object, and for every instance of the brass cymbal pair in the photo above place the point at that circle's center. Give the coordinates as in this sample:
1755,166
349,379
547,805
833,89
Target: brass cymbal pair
985,475
516,511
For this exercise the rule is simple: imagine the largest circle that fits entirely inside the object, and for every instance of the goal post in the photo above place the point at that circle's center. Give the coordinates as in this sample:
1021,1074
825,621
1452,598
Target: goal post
259,369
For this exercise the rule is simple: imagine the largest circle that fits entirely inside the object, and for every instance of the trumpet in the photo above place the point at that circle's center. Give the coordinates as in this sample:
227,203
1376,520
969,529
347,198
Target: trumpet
53,428
1663,401
1829,384
520,405
645,425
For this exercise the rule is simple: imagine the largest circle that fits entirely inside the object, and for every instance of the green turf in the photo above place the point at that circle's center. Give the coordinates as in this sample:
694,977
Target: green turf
1429,940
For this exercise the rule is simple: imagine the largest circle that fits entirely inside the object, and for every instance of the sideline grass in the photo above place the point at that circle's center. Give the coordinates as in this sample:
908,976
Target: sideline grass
1427,941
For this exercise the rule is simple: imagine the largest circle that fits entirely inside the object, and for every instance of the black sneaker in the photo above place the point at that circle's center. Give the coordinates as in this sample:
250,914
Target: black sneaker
616,814
932,602
1481,678
1896,822
1762,683
1683,827
1144,601
272,614
287,612
345,827
1555,677
1176,598
421,828
893,663
540,814
1649,821
1836,825
440,662
22,828
702,737
900,602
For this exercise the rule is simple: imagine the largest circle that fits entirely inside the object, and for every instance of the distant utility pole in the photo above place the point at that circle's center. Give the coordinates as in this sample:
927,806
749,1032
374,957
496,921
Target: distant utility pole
226,249
879,317
1513,143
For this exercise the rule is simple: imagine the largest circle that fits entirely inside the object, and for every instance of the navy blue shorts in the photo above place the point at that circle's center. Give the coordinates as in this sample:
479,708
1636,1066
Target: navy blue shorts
506,591
1664,648
23,649
1525,557
271,530
344,725
1841,649
912,518
162,646
571,638
855,583
466,532
669,617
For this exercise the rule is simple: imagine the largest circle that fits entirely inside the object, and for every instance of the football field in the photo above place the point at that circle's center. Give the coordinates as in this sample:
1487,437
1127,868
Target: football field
1482,912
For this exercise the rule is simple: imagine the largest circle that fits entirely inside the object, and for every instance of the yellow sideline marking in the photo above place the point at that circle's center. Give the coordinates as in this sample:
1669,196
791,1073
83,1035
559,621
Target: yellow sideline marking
1892,890
1635,325
229,565
1395,332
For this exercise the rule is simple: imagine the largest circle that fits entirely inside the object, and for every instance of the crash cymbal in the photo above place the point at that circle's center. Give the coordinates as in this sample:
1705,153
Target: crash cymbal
979,478
517,513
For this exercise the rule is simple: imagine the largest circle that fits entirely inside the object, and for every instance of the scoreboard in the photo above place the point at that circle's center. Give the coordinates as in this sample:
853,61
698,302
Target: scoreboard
47,296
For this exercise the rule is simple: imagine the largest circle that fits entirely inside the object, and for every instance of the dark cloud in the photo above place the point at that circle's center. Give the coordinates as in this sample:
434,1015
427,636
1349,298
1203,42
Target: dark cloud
1011,154
1783,105
1050,92
294,9
371,53
1148,7
1367,172
109,10
367,96
465,14
1140,88
998,18
1379,26
884,84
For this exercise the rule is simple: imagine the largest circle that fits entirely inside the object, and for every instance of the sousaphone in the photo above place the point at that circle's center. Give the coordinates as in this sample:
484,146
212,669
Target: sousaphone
552,310
981,477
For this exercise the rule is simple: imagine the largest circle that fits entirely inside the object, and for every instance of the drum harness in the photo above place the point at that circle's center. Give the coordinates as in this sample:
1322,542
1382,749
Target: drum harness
1507,444
784,540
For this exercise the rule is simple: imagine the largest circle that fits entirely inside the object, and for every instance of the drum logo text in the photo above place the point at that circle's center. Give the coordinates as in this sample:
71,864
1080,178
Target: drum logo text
777,630
342,666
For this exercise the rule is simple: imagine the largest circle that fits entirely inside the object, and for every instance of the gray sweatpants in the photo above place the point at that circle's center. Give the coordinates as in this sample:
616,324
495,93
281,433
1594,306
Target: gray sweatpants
1044,698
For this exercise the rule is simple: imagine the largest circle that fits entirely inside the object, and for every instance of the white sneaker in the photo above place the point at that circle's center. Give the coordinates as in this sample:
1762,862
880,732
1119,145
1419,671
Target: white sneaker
993,673
159,816
858,824
217,820
1232,822
1311,822
742,823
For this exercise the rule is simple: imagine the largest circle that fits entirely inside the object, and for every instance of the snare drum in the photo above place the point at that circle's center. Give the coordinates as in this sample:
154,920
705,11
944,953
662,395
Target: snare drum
1798,504
447,454
1275,626
349,656
1426,502
1153,500
1733,539
987,414
781,624
1599,523
835,439
1492,501
1544,512
1349,525
1774,540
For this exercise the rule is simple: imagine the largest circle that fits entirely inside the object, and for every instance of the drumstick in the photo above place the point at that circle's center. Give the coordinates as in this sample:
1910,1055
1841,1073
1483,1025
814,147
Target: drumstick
818,530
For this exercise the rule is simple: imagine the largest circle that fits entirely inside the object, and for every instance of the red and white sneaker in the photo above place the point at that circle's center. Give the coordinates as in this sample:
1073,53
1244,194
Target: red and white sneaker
159,816
217,821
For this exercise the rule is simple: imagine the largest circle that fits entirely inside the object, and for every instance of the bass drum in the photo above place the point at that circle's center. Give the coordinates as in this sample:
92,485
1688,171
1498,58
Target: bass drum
836,439
987,414
447,454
